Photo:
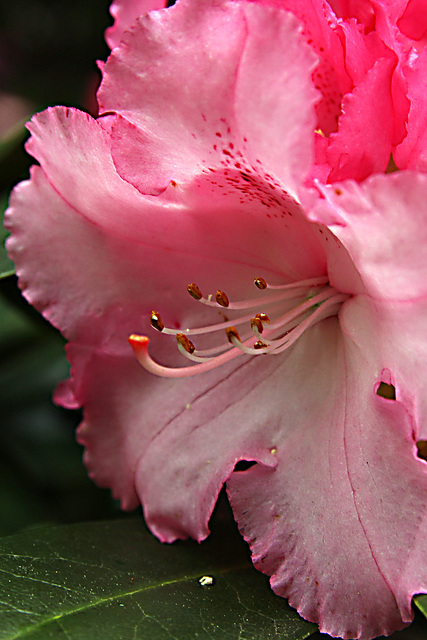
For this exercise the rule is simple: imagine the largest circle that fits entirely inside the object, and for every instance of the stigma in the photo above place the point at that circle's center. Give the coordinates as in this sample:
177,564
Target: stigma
266,325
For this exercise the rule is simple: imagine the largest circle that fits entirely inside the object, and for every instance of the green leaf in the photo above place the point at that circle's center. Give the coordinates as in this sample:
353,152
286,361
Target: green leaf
113,580
421,602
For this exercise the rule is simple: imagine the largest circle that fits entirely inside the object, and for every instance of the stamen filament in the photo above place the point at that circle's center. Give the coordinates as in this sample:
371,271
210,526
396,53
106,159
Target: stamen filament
257,302
260,336
311,282
208,328
298,310
139,345
311,320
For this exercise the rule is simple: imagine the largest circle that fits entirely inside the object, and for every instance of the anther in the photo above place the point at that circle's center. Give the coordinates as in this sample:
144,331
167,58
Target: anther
156,321
231,332
194,291
185,342
260,283
222,298
259,344
257,324
263,317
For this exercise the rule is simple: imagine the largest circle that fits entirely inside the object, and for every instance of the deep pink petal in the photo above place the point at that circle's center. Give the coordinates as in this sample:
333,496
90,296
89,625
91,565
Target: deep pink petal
125,12
411,153
413,22
341,512
363,143
184,105
362,10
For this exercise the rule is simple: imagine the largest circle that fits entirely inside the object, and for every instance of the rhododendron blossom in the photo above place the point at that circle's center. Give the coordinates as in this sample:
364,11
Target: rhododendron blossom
265,314
353,75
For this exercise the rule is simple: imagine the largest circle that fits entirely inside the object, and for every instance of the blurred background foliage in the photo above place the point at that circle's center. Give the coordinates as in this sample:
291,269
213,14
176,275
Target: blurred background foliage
48,53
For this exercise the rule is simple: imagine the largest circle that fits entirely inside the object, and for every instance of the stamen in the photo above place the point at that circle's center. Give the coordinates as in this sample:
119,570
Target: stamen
185,343
257,325
222,298
156,321
260,283
231,332
259,344
139,345
311,282
306,303
194,291
318,314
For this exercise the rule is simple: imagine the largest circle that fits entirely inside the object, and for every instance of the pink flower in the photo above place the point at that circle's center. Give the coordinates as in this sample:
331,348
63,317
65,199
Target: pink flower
402,26
353,76
194,176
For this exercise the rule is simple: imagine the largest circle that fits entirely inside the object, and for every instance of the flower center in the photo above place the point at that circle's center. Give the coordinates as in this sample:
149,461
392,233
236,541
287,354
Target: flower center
260,326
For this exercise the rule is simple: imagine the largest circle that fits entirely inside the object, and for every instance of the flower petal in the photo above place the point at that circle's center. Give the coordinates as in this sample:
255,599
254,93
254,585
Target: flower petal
184,104
413,21
125,12
339,521
411,153
363,142
383,225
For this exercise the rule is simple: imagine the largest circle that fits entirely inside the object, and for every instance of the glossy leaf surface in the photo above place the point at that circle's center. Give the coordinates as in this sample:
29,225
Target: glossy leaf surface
114,580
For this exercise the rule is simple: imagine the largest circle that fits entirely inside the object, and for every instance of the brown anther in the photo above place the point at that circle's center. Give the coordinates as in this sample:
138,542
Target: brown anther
231,332
259,344
156,321
185,342
222,298
194,291
260,283
257,324
263,317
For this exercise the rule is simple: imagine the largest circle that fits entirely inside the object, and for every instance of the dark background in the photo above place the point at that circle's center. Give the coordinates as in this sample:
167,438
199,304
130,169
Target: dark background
48,53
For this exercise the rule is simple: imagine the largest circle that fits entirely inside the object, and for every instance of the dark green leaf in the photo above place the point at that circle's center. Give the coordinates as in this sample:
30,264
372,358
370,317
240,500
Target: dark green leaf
113,580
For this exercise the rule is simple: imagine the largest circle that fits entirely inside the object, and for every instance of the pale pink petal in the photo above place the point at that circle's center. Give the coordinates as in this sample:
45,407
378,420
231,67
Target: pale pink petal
95,256
76,227
383,224
192,103
125,12
397,335
169,445
75,153
338,522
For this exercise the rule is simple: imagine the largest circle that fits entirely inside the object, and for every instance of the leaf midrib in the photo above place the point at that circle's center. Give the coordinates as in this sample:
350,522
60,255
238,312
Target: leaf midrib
117,596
